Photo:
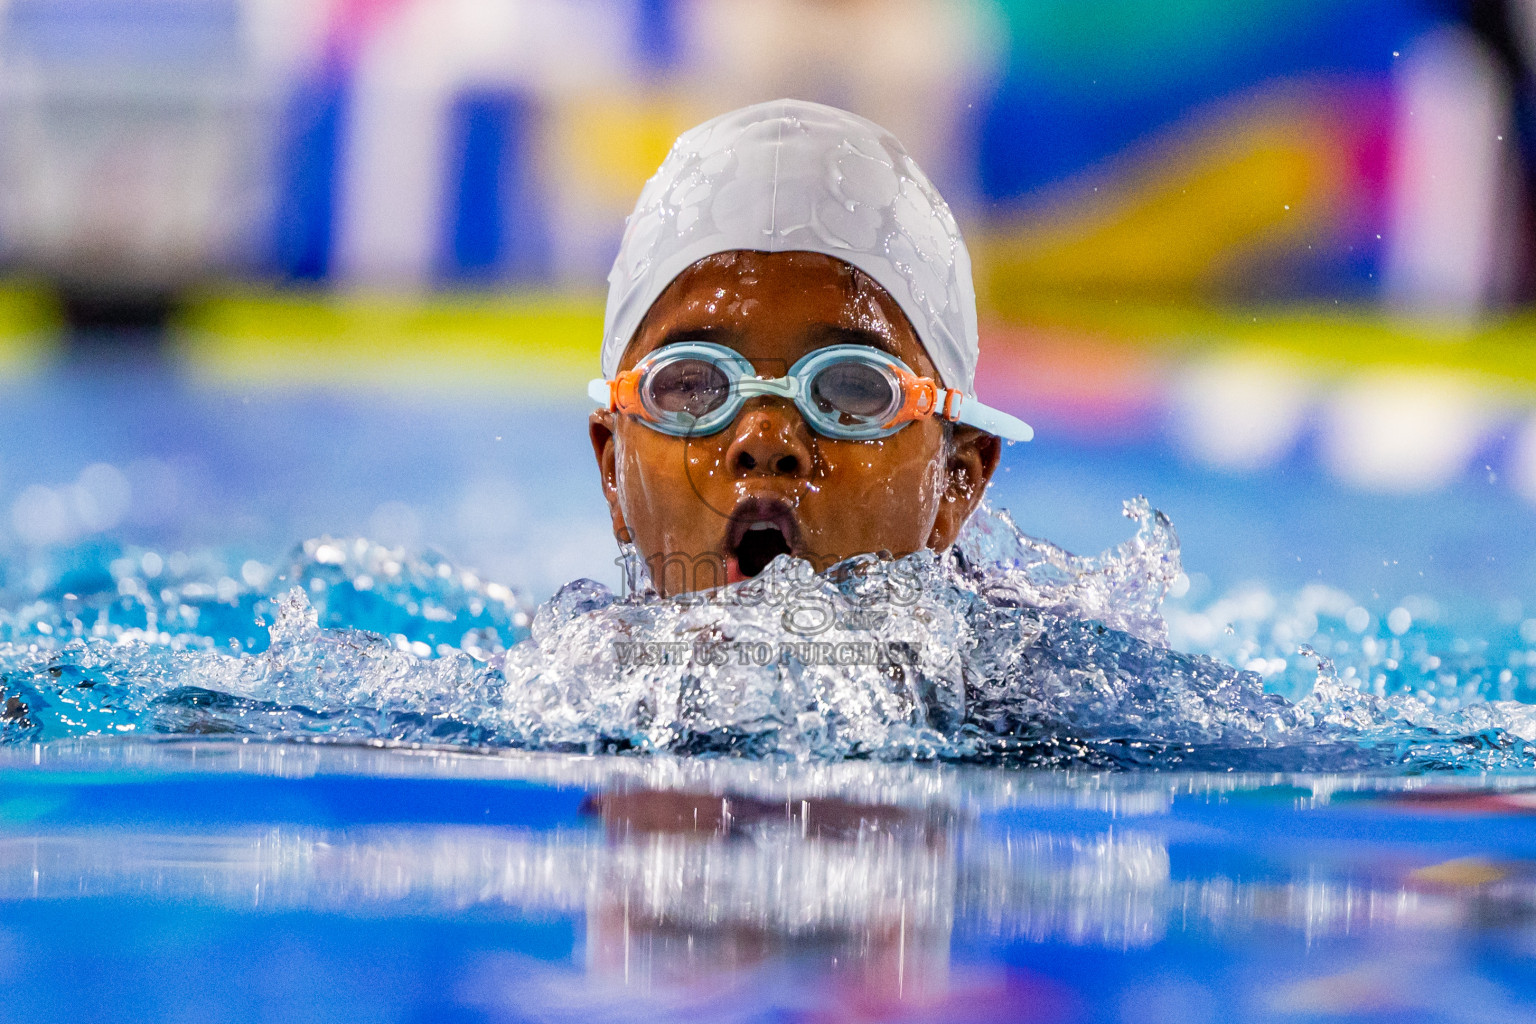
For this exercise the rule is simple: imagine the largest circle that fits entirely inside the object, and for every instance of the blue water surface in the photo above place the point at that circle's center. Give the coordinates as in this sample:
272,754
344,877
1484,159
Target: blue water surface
272,749
197,879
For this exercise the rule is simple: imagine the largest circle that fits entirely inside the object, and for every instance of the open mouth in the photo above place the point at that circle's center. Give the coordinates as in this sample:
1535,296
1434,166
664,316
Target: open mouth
760,531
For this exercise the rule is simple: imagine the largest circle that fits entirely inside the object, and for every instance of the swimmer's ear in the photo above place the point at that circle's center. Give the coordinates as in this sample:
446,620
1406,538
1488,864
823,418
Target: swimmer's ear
973,458
600,429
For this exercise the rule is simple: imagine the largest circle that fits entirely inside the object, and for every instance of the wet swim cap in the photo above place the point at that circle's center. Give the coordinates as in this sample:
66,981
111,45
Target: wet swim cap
795,176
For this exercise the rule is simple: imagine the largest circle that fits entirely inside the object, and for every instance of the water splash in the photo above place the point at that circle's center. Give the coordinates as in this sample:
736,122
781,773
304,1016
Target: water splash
1009,651
1123,588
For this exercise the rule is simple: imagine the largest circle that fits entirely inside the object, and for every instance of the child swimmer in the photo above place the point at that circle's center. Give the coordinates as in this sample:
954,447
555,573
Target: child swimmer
789,354
789,361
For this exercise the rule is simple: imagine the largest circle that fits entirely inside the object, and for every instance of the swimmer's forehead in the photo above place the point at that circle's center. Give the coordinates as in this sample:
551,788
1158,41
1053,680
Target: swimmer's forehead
775,308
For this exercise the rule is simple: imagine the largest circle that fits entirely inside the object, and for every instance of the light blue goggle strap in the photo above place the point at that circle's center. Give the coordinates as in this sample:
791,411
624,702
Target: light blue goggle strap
983,417
778,387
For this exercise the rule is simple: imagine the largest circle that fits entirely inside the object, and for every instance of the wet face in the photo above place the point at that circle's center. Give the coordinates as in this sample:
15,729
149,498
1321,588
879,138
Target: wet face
704,511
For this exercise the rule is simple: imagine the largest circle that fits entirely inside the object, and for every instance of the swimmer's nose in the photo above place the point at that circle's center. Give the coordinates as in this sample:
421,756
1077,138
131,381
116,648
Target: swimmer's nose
769,442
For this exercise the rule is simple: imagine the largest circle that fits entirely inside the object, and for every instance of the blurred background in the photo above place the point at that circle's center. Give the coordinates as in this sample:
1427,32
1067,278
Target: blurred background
282,268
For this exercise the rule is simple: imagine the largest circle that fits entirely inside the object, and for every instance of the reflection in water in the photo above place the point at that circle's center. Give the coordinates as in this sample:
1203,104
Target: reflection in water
1110,889
677,887
674,885
696,884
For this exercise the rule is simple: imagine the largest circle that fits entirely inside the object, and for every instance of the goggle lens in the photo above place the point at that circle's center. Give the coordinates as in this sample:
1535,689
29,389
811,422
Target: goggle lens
855,393
693,387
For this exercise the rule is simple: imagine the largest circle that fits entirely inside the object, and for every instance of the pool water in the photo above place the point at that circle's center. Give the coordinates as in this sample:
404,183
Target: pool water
190,879
269,748
1011,652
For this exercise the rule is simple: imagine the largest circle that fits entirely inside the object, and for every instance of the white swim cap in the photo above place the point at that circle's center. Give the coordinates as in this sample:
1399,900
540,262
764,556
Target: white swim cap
795,176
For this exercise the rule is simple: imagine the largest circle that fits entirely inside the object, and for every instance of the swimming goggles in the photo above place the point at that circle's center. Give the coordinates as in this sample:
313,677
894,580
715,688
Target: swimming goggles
848,392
